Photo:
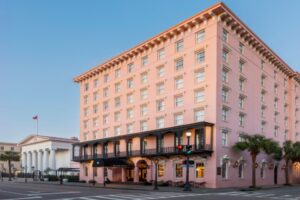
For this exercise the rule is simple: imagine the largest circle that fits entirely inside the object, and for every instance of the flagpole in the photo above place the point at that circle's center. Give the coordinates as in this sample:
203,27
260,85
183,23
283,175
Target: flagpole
37,125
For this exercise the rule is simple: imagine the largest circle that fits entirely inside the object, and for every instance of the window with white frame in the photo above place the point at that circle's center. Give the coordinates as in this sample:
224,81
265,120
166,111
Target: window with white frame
145,60
130,113
241,66
241,119
160,71
160,105
224,168
105,119
129,128
117,130
242,84
160,88
85,124
199,115
225,54
199,96
117,116
225,94
178,100
224,137
225,35
179,64
95,109
200,57
95,122
105,133
241,48
178,170
130,83
241,169
144,126
85,112
144,93
144,109
179,46
160,122
95,133
85,136
144,77
262,126
200,76
178,119
179,82
118,73
86,87
225,112
105,105
241,101
96,96
200,36
106,78
160,54
130,98
130,67
225,73
117,87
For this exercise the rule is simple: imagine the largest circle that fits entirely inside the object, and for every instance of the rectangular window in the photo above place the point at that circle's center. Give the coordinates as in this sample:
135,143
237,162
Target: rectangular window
178,119
95,122
105,92
130,67
105,119
160,122
105,105
160,88
144,94
160,54
241,170
225,75
179,101
85,124
199,96
160,170
179,83
130,98
200,170
179,64
225,93
129,128
117,130
241,84
118,73
241,66
144,126
118,87
96,95
224,137
241,102
145,61
85,99
241,119
105,133
225,55
178,170
86,87
200,57
241,47
117,102
199,115
200,76
160,71
96,83
224,113
130,113
95,109
225,35
144,110
179,46
130,83
144,77
200,36
106,78
160,105
85,112
117,116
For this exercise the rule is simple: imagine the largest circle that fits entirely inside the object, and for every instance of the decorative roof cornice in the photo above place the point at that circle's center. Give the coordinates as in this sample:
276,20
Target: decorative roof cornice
219,10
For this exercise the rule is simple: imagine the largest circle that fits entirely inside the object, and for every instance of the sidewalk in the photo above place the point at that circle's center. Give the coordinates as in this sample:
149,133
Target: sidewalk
143,187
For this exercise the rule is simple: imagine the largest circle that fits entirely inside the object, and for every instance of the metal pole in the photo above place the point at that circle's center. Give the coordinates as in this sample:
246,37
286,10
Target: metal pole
155,182
103,176
37,125
187,186
25,174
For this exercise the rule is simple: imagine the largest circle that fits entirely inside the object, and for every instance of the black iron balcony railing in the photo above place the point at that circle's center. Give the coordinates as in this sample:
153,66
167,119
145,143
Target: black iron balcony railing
145,152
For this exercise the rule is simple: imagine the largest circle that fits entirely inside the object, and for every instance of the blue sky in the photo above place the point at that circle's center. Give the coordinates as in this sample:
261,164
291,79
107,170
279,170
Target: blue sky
45,44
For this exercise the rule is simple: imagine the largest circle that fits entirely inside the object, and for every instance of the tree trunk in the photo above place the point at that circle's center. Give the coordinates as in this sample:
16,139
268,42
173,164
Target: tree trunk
9,170
253,171
287,181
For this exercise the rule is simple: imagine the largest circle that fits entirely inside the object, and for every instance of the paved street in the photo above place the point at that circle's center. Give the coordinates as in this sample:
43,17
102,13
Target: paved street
20,191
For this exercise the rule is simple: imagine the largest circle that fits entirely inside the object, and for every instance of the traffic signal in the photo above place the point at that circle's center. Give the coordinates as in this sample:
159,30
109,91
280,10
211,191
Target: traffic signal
179,147
188,149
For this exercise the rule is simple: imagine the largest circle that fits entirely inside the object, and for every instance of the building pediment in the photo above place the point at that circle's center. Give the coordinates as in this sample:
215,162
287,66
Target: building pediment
31,139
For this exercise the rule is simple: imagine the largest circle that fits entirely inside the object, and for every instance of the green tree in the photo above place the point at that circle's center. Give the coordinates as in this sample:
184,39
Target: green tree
10,156
255,144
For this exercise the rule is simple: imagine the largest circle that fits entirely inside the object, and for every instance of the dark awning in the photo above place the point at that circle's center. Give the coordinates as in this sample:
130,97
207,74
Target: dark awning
113,162
65,169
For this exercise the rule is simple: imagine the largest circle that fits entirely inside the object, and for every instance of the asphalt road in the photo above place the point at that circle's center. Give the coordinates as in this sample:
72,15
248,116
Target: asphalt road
23,191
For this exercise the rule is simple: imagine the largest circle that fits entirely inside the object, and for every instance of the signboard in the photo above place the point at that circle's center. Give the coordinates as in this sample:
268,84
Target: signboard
191,162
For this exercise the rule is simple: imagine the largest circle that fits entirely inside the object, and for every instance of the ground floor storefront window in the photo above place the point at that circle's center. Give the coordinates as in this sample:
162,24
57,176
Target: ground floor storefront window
161,169
178,170
200,169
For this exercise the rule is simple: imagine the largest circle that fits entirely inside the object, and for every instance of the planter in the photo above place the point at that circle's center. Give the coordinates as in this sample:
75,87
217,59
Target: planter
65,180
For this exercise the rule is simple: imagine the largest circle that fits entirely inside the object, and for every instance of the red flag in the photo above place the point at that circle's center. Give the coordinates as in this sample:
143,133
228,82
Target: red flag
35,117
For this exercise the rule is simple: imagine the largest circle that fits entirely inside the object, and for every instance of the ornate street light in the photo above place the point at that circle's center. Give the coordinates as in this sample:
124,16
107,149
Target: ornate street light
187,186
155,181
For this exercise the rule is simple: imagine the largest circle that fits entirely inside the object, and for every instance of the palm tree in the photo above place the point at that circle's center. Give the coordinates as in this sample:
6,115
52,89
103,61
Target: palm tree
288,154
255,144
10,156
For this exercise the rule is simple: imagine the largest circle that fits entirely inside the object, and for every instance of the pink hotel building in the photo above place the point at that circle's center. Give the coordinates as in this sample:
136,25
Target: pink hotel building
209,75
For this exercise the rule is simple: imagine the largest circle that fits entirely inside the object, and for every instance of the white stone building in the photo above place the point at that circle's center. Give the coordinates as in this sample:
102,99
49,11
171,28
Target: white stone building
42,153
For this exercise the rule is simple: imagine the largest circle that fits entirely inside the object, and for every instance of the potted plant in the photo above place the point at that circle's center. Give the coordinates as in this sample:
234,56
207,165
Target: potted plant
46,171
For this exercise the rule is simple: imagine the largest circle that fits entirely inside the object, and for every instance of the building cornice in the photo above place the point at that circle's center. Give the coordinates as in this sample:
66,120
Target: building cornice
219,11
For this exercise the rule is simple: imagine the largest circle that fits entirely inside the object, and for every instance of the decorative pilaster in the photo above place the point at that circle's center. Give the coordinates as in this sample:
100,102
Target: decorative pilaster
29,161
45,159
40,157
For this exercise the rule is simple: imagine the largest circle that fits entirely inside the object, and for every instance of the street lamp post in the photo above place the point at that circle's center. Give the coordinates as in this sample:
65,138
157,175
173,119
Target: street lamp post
32,168
155,181
187,186
25,171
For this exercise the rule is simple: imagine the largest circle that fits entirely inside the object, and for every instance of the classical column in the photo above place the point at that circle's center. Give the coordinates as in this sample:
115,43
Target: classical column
29,161
34,160
40,164
52,163
24,159
45,159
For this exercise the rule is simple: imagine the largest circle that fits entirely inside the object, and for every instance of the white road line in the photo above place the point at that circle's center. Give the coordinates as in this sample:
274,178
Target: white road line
265,195
17,193
24,198
54,193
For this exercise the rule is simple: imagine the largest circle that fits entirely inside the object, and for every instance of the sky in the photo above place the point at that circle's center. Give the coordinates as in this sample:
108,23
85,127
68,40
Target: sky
45,44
